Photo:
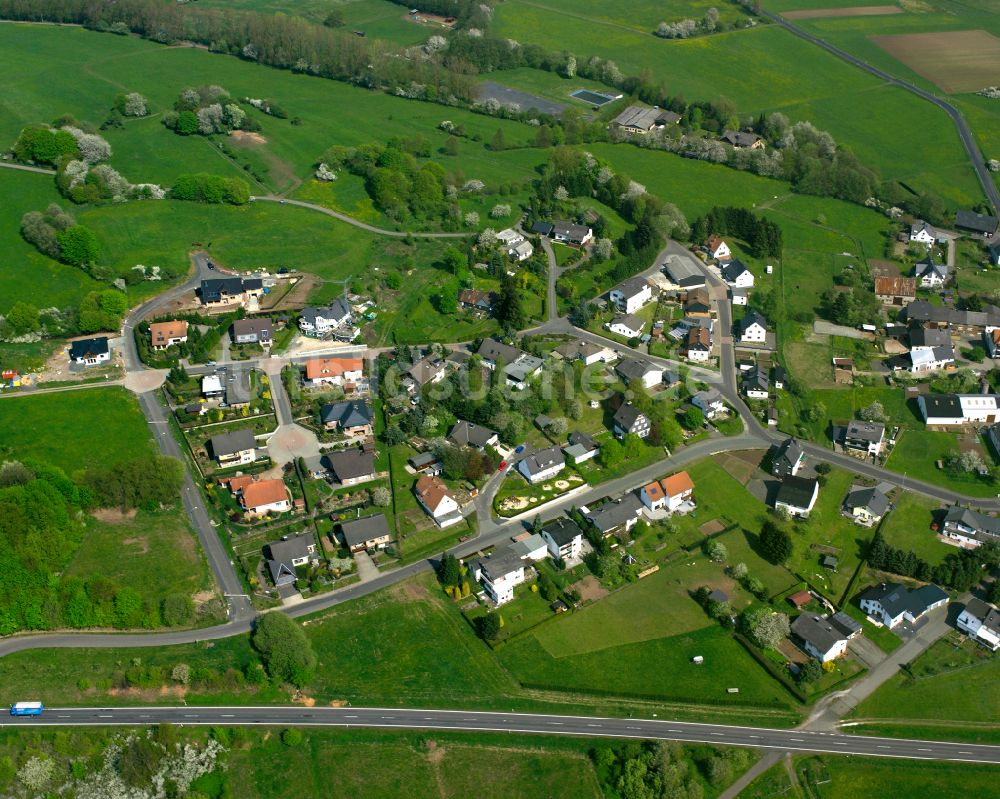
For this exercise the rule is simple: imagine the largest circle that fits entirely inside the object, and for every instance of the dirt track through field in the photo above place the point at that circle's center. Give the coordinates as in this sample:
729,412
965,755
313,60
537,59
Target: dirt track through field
856,11
955,61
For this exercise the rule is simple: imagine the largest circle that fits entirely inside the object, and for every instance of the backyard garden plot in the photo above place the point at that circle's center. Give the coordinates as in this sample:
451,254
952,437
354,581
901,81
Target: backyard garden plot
955,61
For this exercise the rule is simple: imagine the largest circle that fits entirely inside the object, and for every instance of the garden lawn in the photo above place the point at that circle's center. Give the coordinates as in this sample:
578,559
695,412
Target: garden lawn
657,606
916,455
953,691
827,531
660,668
908,527
75,429
155,553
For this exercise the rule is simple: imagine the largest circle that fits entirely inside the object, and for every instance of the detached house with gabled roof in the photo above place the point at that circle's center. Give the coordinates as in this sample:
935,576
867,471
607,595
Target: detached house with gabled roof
320,322
90,351
743,140
252,331
235,448
797,495
542,465
218,292
629,419
334,371
467,434
352,418
564,539
818,637
895,290
261,497
981,622
499,574
984,225
788,458
892,603
866,505
970,528
627,325
631,295
167,334
923,233
717,248
615,516
438,500
284,556
930,273
365,532
752,328
679,491
637,369
736,274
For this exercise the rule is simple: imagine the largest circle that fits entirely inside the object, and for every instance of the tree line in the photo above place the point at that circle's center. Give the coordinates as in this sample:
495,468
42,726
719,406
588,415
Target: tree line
763,236
959,570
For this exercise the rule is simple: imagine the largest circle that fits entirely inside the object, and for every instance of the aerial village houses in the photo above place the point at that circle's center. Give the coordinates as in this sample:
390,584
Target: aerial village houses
477,300
866,505
969,528
285,555
345,372
581,448
698,347
736,274
90,351
515,245
572,234
637,369
467,434
252,331
682,275
627,325
322,322
797,495
438,500
167,334
922,233
895,290
959,410
351,466
638,120
678,491
365,532
564,539
499,574
261,497
981,622
585,351
236,448
615,517
226,291
542,465
717,248
629,419
863,439
351,418
980,224
891,603
930,273
743,140
752,328
519,367
930,350
631,295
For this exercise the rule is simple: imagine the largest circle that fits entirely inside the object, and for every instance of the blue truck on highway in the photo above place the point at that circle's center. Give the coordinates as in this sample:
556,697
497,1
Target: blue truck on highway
26,709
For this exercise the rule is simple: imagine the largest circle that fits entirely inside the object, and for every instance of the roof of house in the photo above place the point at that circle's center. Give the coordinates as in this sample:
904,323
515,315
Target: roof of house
632,287
232,442
252,327
562,531
636,368
870,497
923,311
578,349
162,332
708,396
525,544
426,369
629,321
699,338
866,431
89,348
422,459
942,406
755,379
368,528
583,440
472,434
896,599
790,451
432,490
684,273
570,229
264,492
332,367
732,270
927,265
337,309
627,415
352,413
753,316
988,615
543,459
677,484
502,562
919,226
654,490
714,242
482,299
845,623
545,228
922,337
289,548
615,513
213,289
350,464
635,116
973,520
739,138
800,598
493,350
981,223
796,491
896,286
817,631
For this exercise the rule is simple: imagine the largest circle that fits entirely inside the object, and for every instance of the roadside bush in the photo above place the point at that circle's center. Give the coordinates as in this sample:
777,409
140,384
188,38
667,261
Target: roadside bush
285,649
202,187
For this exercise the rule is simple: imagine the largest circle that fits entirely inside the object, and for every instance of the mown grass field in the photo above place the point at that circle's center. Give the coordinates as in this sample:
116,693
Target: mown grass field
917,452
75,429
156,553
908,527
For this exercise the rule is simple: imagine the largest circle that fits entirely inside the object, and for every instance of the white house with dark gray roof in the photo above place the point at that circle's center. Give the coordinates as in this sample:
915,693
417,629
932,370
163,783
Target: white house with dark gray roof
970,528
923,233
285,555
365,532
797,495
864,438
90,351
818,637
629,419
564,539
755,384
571,233
891,603
930,273
752,328
235,448
735,273
710,402
467,434
499,574
581,447
628,325
981,622
320,322
352,418
542,465
631,295
866,505
788,458
957,410
615,516
637,369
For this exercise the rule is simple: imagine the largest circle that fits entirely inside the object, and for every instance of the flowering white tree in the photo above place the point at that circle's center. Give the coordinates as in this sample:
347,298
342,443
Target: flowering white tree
603,249
381,496
135,105
604,174
181,673
234,116
36,773
436,44
211,119
499,211
93,148
488,237
561,194
473,186
323,172
472,219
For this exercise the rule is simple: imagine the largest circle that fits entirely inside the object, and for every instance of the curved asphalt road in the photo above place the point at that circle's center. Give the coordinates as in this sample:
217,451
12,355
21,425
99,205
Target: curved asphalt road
472,720
964,132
